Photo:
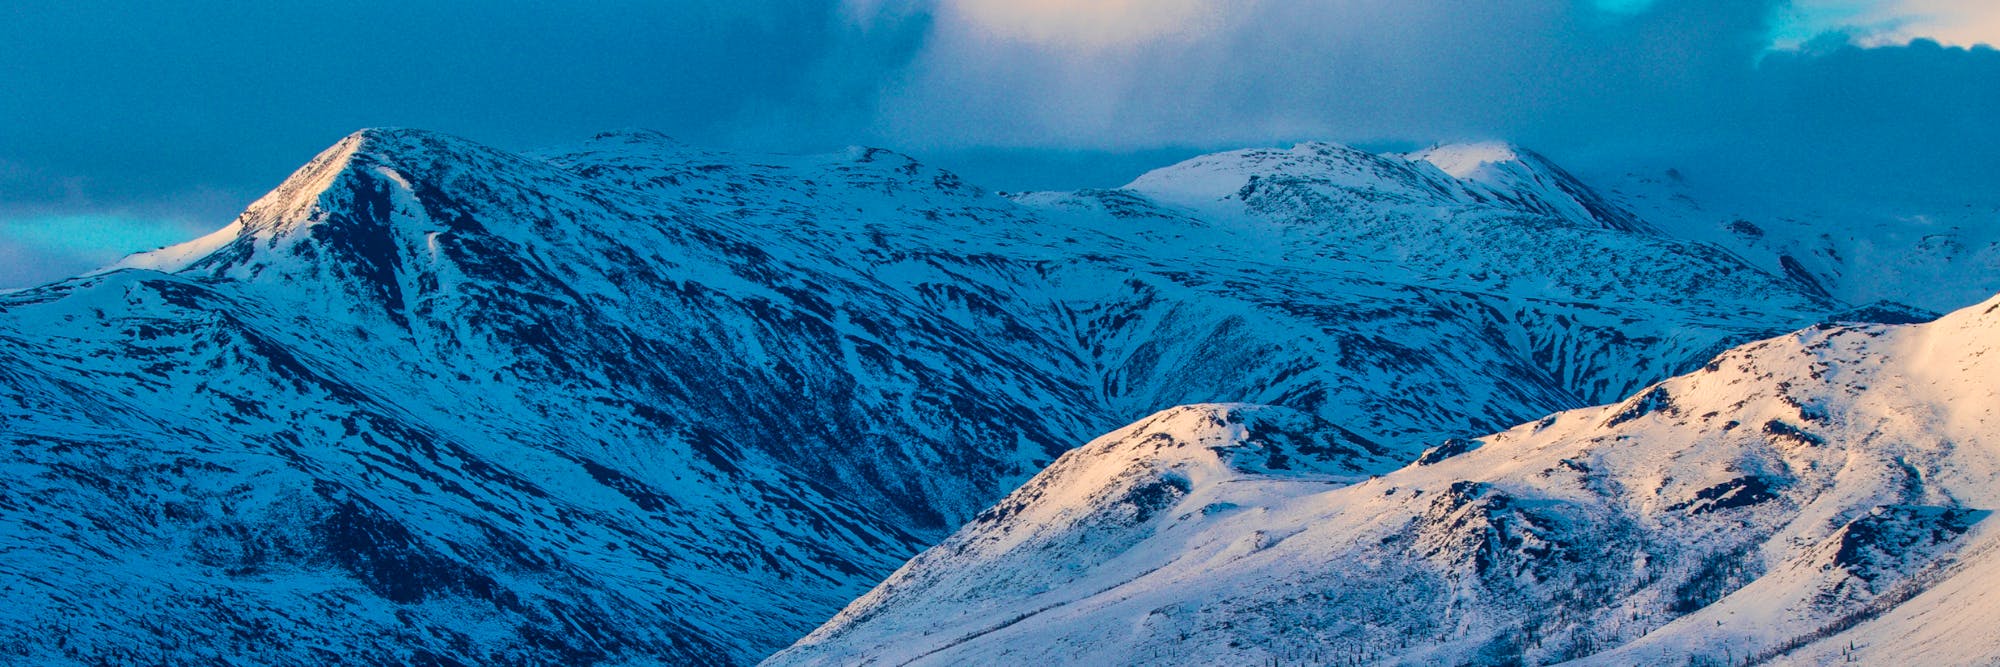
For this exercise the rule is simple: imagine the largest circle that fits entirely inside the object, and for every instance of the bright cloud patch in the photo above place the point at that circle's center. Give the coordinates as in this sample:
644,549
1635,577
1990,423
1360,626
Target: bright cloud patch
1892,22
39,248
1624,6
1086,23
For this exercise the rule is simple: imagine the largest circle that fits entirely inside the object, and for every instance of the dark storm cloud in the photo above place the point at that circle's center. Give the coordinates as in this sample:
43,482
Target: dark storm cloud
137,96
1912,120
175,115
162,119
1688,82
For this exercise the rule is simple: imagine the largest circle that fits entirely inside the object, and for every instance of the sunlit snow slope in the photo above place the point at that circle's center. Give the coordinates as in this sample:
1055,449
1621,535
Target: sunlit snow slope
1819,497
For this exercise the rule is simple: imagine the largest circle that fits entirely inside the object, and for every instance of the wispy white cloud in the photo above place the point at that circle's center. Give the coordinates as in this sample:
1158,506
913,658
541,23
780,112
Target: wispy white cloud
1692,82
1090,24
44,247
1612,78
1220,73
70,233
1891,22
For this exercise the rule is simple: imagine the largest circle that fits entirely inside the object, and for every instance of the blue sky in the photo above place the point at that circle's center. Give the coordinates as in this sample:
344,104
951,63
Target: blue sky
127,125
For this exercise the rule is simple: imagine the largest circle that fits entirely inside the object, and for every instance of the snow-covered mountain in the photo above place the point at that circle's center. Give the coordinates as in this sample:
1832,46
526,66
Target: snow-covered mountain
433,402
1932,250
1815,498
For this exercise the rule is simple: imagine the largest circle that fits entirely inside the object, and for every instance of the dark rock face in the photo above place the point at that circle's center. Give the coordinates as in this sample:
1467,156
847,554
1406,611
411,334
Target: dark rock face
1894,540
1739,492
1445,450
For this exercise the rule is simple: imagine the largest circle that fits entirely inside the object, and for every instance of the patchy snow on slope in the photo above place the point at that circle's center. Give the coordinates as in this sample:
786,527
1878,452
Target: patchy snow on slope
1939,252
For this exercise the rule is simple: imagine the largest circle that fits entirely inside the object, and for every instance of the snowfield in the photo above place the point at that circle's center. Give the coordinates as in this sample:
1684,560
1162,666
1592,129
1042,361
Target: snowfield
636,402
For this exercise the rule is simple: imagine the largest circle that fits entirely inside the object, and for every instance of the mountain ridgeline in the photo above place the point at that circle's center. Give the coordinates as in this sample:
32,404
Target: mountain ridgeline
1822,497
429,402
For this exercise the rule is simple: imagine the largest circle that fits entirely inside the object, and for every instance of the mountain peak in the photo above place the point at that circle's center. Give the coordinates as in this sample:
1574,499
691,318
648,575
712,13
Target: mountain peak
1975,328
1467,174
1191,447
874,154
292,200
1232,174
497,382
1240,438
636,135
1830,481
400,143
1526,179
385,214
394,133
1465,160
354,173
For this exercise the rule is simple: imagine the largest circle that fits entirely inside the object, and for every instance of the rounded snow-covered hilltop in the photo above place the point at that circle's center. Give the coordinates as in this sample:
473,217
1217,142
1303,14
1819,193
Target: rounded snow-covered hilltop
1814,498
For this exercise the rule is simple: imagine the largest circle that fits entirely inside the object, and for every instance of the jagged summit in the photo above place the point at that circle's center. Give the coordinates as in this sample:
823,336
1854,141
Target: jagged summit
352,179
